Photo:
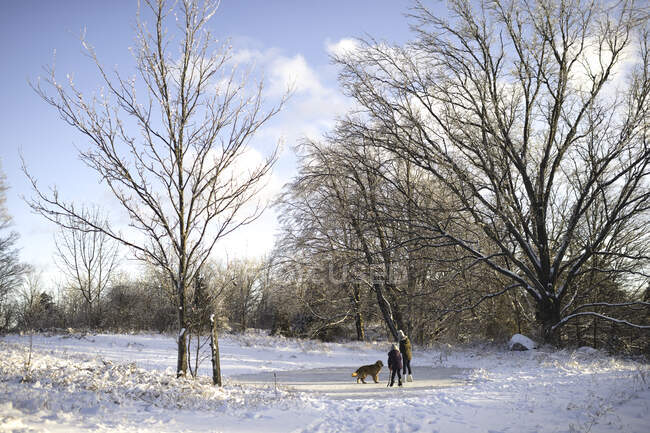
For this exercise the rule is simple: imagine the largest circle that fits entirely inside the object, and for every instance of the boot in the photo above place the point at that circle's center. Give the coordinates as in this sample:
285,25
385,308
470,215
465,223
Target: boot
399,383
409,378
393,383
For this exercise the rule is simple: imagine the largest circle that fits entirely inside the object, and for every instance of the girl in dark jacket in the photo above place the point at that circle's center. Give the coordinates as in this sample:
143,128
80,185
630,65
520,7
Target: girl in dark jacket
395,365
407,354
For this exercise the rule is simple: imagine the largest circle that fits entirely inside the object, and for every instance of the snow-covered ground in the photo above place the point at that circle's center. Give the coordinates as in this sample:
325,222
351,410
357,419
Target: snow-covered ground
126,383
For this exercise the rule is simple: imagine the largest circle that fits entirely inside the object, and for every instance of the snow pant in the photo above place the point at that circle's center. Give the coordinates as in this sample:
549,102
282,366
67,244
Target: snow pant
407,364
392,376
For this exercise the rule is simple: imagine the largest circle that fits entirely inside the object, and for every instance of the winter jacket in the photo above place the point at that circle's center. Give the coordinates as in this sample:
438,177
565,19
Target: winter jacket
405,348
394,360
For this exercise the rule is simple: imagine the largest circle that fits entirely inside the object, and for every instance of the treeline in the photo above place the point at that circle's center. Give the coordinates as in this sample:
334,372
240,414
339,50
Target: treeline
322,296
236,294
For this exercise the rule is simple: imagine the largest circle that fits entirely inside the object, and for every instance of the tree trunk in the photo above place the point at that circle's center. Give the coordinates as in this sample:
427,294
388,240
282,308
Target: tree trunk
196,353
410,301
398,318
358,318
214,345
243,319
548,315
384,307
181,365
579,334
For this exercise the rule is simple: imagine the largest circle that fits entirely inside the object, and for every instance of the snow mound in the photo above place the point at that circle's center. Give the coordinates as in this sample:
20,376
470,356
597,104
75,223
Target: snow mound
587,350
520,342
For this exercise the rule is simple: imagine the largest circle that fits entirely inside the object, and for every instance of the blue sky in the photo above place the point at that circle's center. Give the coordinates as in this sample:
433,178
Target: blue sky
288,40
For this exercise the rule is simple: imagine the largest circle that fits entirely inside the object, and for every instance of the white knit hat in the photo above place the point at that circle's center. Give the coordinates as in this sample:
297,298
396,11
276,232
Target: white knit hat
395,346
402,336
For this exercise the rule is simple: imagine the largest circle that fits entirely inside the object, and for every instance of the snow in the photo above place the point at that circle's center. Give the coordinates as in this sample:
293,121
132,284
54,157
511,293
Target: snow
335,381
126,383
523,341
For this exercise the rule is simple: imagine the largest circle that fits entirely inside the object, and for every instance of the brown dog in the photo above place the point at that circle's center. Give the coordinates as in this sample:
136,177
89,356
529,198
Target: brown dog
368,370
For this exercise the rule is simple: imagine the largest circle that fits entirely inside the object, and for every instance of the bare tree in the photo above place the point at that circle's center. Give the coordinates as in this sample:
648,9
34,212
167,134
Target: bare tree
29,295
339,214
150,291
37,308
176,166
244,291
11,269
534,115
354,222
88,260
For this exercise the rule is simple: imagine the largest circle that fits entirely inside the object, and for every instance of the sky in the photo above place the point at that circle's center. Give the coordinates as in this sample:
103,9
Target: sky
288,41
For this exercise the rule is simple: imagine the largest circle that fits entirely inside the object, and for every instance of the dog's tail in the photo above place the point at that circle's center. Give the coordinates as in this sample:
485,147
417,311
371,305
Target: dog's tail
354,374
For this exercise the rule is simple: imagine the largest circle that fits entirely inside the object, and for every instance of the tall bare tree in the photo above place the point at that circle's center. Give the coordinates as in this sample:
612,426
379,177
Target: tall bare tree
88,260
173,159
339,213
535,116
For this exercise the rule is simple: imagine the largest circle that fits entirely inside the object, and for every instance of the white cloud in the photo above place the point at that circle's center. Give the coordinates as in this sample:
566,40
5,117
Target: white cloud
253,240
245,56
315,102
240,171
342,47
293,73
280,72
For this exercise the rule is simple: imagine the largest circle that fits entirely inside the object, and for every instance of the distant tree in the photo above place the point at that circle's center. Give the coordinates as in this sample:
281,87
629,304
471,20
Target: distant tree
128,296
182,181
29,295
88,261
11,269
264,312
242,293
37,308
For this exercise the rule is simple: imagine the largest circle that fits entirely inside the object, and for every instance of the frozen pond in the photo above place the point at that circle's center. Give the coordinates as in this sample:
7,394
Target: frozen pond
337,382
